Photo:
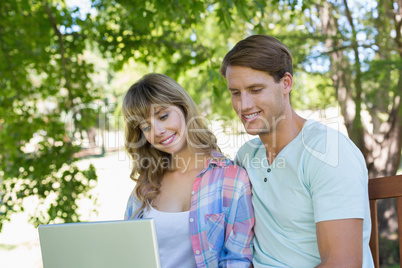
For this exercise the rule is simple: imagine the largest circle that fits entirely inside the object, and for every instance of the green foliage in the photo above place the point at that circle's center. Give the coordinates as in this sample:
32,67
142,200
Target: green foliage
42,77
179,39
312,92
382,84
389,251
188,39
46,75
51,65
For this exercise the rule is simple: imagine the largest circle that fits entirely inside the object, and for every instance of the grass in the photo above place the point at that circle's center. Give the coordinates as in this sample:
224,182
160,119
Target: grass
7,247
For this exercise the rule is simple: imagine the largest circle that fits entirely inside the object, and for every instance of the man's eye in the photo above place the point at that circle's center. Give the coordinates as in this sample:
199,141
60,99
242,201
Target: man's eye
234,93
256,90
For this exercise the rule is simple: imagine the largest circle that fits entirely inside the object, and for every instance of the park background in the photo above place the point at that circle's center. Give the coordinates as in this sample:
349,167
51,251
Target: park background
65,66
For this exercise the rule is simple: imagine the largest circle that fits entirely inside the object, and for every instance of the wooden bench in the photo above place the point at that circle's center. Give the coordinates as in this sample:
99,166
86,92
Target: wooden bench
381,188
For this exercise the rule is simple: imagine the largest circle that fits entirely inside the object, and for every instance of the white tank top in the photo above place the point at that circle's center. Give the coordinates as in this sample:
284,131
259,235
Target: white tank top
173,233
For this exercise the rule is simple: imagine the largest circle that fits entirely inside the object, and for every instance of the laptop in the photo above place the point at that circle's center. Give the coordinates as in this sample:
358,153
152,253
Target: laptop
106,244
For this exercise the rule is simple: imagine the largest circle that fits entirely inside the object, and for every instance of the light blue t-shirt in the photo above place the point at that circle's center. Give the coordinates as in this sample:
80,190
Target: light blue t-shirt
320,175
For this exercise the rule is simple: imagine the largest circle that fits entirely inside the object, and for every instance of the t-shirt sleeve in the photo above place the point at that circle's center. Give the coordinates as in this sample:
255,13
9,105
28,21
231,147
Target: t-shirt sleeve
237,159
338,181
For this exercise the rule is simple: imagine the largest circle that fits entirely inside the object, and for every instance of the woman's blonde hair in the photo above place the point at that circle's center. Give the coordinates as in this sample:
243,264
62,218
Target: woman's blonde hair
149,163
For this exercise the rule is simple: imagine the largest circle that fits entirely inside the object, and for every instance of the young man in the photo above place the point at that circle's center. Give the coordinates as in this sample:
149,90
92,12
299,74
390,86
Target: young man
309,181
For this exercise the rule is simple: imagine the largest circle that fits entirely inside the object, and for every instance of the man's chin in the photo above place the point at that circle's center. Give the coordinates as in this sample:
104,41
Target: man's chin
255,132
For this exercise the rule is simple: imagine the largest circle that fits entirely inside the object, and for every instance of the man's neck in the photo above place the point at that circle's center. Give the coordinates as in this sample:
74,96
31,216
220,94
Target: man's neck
286,131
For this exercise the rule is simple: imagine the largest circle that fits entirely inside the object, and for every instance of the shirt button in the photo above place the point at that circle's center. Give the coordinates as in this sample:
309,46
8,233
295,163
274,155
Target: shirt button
269,169
265,179
192,193
191,219
197,252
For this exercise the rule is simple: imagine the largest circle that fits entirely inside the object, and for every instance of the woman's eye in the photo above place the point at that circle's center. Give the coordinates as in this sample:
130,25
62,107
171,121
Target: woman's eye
145,129
163,117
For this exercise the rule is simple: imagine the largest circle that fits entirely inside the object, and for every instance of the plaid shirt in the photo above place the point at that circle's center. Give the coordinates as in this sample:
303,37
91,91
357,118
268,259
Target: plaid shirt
221,215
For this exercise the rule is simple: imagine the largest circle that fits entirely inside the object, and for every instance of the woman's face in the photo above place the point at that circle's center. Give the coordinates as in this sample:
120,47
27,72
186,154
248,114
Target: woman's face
165,129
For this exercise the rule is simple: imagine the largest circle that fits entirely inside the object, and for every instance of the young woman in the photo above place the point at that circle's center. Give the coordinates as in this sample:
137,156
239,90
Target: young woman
200,200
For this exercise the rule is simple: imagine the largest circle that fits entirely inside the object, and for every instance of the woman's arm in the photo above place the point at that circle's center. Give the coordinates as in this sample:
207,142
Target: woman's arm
237,251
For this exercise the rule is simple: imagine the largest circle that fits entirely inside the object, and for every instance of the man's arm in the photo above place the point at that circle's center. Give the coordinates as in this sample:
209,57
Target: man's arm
340,243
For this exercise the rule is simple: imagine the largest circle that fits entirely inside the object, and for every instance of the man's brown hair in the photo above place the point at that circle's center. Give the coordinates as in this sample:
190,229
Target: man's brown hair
260,52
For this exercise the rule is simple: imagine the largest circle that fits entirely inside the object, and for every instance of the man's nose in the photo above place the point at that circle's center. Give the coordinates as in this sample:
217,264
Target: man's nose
246,102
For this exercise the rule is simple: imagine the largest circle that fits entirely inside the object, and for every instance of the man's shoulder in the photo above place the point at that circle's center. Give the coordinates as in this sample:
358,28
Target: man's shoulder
317,132
316,128
251,147
326,143
248,151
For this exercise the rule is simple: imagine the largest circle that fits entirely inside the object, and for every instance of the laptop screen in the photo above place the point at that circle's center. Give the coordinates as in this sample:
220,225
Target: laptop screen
130,243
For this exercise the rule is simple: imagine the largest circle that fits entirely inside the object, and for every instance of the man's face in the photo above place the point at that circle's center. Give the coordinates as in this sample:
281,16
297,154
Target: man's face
257,99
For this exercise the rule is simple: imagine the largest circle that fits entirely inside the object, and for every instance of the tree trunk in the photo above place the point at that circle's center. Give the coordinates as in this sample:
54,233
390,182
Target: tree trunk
382,146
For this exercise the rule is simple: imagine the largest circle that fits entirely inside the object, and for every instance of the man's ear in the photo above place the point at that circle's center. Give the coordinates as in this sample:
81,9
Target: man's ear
287,81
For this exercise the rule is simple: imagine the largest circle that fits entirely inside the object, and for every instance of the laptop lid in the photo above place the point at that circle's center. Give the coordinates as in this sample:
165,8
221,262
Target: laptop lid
130,243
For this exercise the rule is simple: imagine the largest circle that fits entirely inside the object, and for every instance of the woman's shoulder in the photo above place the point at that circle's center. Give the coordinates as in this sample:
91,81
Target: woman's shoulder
228,166
220,160
133,204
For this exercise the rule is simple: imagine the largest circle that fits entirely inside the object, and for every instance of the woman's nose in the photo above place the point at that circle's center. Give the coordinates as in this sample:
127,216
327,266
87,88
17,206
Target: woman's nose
159,129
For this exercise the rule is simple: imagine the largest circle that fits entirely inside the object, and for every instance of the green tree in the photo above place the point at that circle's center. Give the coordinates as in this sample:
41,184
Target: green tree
344,50
43,75
363,42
